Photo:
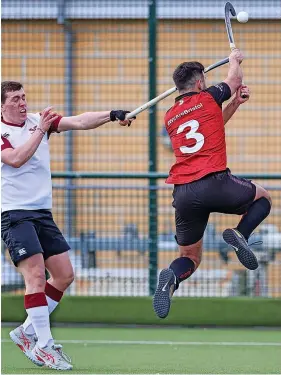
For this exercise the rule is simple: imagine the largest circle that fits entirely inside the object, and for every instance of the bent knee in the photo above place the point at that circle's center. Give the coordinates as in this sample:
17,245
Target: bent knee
262,193
269,198
70,278
65,280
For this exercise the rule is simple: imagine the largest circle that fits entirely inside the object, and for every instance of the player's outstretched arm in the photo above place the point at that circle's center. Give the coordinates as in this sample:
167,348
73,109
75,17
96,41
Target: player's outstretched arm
235,74
16,157
92,120
232,107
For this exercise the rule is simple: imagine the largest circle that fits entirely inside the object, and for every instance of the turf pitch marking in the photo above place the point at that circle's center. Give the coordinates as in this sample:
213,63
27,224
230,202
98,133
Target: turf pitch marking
183,343
156,373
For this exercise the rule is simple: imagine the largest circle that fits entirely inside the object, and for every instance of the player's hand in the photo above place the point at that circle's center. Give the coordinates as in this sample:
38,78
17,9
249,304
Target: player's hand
46,119
241,91
237,55
120,116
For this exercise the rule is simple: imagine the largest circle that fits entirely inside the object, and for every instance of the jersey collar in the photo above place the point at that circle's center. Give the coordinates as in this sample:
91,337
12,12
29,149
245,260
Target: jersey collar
10,124
186,94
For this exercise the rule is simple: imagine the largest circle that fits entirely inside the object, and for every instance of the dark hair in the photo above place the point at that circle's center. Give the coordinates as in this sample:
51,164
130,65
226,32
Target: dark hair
187,73
8,86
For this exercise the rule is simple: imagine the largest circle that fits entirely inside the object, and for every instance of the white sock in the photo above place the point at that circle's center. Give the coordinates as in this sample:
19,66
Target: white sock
38,313
27,325
52,304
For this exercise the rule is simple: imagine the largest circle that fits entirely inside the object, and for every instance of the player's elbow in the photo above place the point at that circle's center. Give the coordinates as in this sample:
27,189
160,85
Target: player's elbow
16,162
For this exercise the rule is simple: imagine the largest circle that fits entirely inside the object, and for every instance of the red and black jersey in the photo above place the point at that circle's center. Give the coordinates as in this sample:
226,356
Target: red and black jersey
196,129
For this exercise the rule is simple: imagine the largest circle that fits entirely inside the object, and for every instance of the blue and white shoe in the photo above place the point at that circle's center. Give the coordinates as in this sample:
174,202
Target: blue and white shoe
242,249
167,284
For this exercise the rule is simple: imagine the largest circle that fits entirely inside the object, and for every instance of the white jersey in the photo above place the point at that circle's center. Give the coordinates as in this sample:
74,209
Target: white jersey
28,187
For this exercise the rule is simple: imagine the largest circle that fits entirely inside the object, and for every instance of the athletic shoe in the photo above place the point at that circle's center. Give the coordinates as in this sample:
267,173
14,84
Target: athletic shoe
51,357
165,289
245,255
58,348
26,343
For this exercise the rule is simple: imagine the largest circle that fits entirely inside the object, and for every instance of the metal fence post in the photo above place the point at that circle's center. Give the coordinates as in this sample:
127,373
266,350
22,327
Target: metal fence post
152,26
68,53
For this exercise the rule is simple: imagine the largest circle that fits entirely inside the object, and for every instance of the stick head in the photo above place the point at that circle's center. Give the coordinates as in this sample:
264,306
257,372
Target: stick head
229,9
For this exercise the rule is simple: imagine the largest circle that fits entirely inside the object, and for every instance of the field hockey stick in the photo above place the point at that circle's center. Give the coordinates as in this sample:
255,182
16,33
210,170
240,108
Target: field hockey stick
167,93
229,9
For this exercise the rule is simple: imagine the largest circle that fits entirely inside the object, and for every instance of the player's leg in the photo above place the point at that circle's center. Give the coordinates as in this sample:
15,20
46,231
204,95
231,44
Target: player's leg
242,197
191,220
256,212
169,278
57,261
33,271
58,264
42,350
20,235
61,276
61,271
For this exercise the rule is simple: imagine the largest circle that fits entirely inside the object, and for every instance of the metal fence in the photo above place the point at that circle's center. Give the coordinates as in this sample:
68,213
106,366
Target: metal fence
94,56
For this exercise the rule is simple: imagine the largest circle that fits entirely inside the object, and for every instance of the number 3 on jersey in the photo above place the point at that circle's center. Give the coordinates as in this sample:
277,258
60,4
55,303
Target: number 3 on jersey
191,134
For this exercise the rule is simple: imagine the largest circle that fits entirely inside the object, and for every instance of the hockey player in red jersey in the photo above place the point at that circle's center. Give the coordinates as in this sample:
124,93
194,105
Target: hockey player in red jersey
202,181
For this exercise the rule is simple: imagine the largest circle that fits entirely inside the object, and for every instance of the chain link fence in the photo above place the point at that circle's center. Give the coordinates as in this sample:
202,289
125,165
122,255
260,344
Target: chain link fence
95,56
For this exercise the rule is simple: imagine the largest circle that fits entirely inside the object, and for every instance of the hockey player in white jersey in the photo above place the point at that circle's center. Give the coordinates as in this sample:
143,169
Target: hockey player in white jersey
28,229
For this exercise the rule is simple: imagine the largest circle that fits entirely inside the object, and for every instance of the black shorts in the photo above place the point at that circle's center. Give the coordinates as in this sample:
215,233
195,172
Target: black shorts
216,192
26,233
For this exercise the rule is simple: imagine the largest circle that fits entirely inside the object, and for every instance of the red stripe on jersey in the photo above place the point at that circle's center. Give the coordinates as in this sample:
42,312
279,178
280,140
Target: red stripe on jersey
5,143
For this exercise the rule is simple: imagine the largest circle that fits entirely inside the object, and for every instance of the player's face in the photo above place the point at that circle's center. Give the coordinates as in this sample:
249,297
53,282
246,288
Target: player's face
14,109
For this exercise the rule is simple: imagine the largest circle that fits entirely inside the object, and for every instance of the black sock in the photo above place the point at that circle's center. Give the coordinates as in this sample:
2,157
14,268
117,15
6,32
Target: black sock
183,268
257,212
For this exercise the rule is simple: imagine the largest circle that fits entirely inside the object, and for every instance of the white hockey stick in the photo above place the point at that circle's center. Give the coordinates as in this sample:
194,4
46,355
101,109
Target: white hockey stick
170,91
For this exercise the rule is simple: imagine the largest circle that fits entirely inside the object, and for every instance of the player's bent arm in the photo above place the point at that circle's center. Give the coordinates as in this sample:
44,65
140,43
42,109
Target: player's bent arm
235,76
239,99
16,157
85,121
229,110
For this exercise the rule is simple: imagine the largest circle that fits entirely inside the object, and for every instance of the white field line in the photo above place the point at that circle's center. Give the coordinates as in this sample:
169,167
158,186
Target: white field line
152,374
183,343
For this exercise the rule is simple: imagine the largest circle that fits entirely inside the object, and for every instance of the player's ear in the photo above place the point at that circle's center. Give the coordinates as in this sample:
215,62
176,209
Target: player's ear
200,85
203,85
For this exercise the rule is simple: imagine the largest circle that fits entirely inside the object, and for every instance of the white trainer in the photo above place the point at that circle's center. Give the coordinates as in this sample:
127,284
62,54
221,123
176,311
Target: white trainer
52,357
26,343
58,348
